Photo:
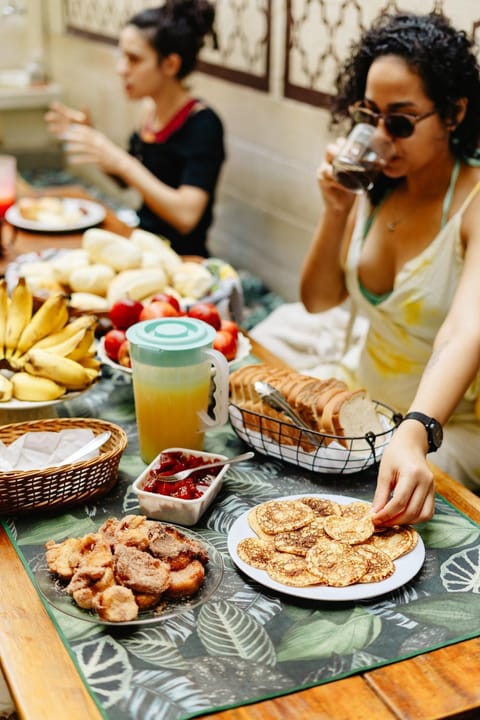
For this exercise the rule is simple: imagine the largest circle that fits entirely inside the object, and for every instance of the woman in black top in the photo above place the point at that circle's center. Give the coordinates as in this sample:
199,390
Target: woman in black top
175,157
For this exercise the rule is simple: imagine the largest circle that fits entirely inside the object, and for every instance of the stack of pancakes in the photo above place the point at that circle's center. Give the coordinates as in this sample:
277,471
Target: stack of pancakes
316,541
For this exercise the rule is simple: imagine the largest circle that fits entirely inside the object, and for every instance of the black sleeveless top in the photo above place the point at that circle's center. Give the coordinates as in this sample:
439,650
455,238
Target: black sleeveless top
191,152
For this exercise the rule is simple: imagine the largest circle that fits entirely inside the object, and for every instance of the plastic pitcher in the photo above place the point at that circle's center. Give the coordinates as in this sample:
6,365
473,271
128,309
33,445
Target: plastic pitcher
172,361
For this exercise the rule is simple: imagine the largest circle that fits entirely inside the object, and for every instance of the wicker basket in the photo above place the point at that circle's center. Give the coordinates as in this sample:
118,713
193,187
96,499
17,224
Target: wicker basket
314,451
66,485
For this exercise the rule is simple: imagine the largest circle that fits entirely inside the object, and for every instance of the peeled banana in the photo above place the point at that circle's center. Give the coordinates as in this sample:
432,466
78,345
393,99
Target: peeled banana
60,369
34,388
18,316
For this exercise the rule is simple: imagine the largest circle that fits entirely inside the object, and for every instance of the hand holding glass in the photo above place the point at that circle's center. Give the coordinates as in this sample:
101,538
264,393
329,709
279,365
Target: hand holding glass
361,158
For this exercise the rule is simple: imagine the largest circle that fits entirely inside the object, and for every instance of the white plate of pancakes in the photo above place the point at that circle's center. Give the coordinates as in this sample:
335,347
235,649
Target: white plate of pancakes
403,542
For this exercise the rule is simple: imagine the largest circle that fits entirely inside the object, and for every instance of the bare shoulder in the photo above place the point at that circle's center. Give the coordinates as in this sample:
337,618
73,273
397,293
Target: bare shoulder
469,198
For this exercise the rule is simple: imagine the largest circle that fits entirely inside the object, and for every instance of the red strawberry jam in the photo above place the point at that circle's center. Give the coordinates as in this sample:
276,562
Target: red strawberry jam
170,463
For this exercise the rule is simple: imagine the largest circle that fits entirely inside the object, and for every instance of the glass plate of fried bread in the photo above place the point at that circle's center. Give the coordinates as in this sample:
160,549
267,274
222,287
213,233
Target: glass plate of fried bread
323,547
53,214
132,571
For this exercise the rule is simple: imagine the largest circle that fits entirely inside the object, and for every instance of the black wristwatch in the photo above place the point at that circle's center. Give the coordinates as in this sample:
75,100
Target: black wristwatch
432,426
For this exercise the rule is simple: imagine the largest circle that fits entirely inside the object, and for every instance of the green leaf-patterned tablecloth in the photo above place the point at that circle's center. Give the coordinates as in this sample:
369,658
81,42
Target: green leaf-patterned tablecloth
248,643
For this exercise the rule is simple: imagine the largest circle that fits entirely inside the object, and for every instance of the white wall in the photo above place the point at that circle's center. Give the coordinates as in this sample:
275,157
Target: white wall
268,200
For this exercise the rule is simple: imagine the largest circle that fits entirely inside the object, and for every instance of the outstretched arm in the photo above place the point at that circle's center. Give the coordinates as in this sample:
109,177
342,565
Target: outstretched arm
405,487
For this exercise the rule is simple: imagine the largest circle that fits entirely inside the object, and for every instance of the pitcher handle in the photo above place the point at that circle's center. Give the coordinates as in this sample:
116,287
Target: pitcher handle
220,394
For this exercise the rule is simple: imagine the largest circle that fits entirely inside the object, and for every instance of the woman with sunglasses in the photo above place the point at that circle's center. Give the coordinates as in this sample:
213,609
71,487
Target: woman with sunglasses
407,253
175,157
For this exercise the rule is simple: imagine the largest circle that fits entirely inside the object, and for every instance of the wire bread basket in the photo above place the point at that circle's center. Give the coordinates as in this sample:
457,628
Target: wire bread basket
63,486
312,450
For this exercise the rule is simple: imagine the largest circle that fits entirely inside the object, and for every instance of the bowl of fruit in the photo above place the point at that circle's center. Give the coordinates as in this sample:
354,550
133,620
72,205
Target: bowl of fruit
114,349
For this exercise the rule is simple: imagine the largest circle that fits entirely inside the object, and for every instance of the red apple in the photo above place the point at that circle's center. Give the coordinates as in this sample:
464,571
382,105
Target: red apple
166,297
112,342
125,312
226,343
230,326
208,312
158,309
124,354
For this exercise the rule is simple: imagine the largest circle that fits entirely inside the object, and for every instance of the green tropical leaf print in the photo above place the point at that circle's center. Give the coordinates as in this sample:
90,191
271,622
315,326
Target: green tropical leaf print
225,629
460,612
321,637
444,532
461,572
159,645
57,529
112,684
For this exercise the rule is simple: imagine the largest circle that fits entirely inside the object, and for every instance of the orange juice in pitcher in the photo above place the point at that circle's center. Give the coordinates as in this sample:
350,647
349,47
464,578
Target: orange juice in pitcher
172,361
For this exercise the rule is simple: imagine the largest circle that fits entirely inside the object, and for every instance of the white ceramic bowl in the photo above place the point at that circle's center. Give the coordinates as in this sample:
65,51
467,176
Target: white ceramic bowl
173,509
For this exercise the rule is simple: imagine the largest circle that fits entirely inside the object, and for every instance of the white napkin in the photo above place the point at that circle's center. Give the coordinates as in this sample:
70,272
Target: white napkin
38,450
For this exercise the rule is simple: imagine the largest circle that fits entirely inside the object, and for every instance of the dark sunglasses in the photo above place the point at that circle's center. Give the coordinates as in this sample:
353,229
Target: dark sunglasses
398,125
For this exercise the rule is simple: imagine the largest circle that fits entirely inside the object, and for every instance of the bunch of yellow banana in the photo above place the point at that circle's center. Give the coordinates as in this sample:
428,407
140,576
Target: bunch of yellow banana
45,354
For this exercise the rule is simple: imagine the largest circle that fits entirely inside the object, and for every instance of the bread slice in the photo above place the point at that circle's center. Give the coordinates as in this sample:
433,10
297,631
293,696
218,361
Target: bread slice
326,406
350,414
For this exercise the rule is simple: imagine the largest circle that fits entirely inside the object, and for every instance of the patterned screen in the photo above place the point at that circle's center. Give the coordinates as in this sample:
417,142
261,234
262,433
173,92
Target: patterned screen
314,35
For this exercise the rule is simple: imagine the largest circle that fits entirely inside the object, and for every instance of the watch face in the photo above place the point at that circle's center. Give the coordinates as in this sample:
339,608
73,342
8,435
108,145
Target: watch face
436,434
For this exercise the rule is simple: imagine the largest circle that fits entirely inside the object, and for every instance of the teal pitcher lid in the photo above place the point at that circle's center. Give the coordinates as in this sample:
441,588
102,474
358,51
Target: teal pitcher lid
152,339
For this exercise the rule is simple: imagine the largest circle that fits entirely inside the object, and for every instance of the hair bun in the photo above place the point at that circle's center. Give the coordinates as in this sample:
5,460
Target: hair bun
199,14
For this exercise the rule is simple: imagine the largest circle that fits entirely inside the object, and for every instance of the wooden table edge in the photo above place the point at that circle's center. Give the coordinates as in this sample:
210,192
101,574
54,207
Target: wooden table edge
40,674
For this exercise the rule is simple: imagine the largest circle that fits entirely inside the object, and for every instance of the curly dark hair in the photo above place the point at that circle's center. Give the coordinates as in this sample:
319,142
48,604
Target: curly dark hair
440,54
179,26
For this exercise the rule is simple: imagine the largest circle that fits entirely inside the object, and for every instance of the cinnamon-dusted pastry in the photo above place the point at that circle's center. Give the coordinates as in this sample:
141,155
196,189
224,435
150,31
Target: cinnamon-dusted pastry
128,565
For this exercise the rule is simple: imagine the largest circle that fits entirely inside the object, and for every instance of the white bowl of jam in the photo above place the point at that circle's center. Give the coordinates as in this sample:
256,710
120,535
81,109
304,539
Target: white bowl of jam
182,502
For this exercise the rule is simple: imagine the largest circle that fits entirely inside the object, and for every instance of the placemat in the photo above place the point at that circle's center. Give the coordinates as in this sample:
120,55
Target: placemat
249,643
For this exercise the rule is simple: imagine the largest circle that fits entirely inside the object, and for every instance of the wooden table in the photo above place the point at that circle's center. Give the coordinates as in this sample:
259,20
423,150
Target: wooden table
44,682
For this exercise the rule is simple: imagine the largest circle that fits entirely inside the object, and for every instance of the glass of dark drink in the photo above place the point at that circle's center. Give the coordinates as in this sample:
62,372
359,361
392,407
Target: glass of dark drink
361,158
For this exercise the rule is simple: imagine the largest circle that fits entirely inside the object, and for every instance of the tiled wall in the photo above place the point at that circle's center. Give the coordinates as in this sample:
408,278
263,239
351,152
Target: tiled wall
270,81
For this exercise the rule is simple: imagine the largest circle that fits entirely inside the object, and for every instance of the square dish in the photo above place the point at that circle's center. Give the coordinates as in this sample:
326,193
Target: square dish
174,509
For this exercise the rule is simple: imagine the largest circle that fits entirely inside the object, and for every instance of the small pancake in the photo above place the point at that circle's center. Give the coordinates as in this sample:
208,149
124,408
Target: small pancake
335,563
349,530
379,565
277,516
253,522
322,507
291,570
298,542
256,552
395,541
356,509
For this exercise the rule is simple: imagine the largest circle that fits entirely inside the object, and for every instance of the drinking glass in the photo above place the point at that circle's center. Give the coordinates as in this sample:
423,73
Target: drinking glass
361,158
8,182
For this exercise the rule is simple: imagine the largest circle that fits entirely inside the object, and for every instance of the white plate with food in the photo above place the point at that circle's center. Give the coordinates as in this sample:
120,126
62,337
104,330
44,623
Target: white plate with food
15,405
406,566
53,590
51,214
243,350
